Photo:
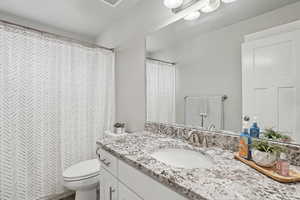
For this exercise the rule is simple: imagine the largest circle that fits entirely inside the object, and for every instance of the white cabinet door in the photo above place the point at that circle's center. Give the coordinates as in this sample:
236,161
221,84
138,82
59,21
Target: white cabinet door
126,194
108,186
271,89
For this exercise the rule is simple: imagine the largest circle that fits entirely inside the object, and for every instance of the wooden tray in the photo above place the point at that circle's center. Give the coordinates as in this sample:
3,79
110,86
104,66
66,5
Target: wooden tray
270,172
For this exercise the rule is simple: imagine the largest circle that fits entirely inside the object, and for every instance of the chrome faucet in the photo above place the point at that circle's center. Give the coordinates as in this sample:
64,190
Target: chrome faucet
191,134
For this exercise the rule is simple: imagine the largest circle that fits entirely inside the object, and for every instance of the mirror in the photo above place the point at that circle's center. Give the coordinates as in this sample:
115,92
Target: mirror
210,70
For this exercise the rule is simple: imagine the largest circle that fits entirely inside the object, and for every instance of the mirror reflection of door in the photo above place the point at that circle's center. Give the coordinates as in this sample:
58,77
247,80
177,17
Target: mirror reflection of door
270,87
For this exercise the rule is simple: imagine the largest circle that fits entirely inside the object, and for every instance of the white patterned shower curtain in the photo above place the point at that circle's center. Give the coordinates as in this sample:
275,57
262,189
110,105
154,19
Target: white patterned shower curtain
160,92
56,98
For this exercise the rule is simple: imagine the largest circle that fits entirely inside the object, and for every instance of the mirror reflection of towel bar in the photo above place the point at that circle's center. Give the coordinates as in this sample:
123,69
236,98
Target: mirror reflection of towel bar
224,97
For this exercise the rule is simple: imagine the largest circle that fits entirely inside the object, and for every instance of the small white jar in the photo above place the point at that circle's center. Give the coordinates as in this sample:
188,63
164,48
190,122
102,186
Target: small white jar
119,130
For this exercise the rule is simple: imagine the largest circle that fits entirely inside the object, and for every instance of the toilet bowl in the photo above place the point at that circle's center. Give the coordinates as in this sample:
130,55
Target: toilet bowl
83,178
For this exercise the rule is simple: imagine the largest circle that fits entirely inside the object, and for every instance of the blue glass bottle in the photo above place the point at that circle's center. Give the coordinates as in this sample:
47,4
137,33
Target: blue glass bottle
254,129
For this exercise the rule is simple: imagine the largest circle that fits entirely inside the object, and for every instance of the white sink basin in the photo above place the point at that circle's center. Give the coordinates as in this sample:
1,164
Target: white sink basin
183,158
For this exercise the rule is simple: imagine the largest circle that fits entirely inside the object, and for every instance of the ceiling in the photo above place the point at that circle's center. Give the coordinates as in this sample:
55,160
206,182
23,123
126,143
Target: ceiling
84,17
145,17
227,15
93,19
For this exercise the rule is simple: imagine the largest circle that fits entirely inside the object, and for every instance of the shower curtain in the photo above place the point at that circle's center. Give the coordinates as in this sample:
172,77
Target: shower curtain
160,92
56,98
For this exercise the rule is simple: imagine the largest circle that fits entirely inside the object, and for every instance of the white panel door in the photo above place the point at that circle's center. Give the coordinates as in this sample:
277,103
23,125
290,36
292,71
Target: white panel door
271,82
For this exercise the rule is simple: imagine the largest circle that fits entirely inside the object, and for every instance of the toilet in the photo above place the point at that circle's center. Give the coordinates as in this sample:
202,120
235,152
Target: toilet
83,178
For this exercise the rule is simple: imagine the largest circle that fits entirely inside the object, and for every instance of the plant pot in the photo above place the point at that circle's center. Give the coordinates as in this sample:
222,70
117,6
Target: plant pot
264,159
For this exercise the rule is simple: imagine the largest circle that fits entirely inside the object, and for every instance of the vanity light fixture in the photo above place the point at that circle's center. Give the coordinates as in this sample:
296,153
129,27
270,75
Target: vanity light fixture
171,4
212,6
112,3
192,16
228,1
192,9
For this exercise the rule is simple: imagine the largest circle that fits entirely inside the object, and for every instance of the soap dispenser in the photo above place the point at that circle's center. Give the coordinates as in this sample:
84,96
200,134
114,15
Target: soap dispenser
282,165
254,130
245,142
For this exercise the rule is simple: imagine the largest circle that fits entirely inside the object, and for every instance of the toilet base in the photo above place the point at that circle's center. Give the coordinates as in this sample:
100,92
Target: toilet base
86,194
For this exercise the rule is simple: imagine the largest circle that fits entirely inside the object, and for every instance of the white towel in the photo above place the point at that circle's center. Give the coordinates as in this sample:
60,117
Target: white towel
194,107
212,106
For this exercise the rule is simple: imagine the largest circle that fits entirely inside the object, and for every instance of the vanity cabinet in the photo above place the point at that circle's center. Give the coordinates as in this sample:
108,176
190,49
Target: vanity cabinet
119,181
110,186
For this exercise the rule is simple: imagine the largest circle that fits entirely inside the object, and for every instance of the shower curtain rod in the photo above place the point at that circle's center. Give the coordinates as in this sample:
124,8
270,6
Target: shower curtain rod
65,38
162,61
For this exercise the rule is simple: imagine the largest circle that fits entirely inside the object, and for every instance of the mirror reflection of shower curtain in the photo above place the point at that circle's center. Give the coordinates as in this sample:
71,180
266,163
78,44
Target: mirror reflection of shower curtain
160,92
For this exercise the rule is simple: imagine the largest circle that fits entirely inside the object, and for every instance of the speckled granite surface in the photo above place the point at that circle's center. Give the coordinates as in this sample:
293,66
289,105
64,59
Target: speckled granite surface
228,179
223,139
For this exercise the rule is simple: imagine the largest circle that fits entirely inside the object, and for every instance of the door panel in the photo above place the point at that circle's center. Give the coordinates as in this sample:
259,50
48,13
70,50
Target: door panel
286,109
265,107
108,186
126,194
273,65
103,186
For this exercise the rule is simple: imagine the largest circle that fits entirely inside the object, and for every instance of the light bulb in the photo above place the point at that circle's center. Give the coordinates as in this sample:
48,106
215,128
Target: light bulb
192,16
228,1
171,4
212,6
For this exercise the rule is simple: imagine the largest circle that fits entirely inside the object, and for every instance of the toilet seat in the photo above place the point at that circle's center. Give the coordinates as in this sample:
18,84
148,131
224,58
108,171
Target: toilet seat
81,178
81,171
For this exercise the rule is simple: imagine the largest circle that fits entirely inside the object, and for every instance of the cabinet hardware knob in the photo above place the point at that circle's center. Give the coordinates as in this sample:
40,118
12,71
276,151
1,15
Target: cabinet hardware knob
105,162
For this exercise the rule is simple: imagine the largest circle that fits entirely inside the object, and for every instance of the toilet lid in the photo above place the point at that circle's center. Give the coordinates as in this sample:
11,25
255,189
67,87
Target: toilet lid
82,170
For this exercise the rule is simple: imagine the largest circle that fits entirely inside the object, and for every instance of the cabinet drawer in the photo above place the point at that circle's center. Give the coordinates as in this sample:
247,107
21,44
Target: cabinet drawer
108,162
144,186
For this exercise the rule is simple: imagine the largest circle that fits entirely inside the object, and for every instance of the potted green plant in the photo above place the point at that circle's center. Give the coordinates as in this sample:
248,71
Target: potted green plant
119,128
265,154
271,134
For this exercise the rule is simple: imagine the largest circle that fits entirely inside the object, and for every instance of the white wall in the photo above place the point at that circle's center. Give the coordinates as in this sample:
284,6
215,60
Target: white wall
130,85
211,63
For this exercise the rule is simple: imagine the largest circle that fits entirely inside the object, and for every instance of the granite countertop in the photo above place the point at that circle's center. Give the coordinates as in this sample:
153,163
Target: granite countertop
228,179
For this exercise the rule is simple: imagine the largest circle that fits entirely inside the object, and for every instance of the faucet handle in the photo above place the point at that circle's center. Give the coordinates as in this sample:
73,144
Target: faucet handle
211,127
188,136
194,139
